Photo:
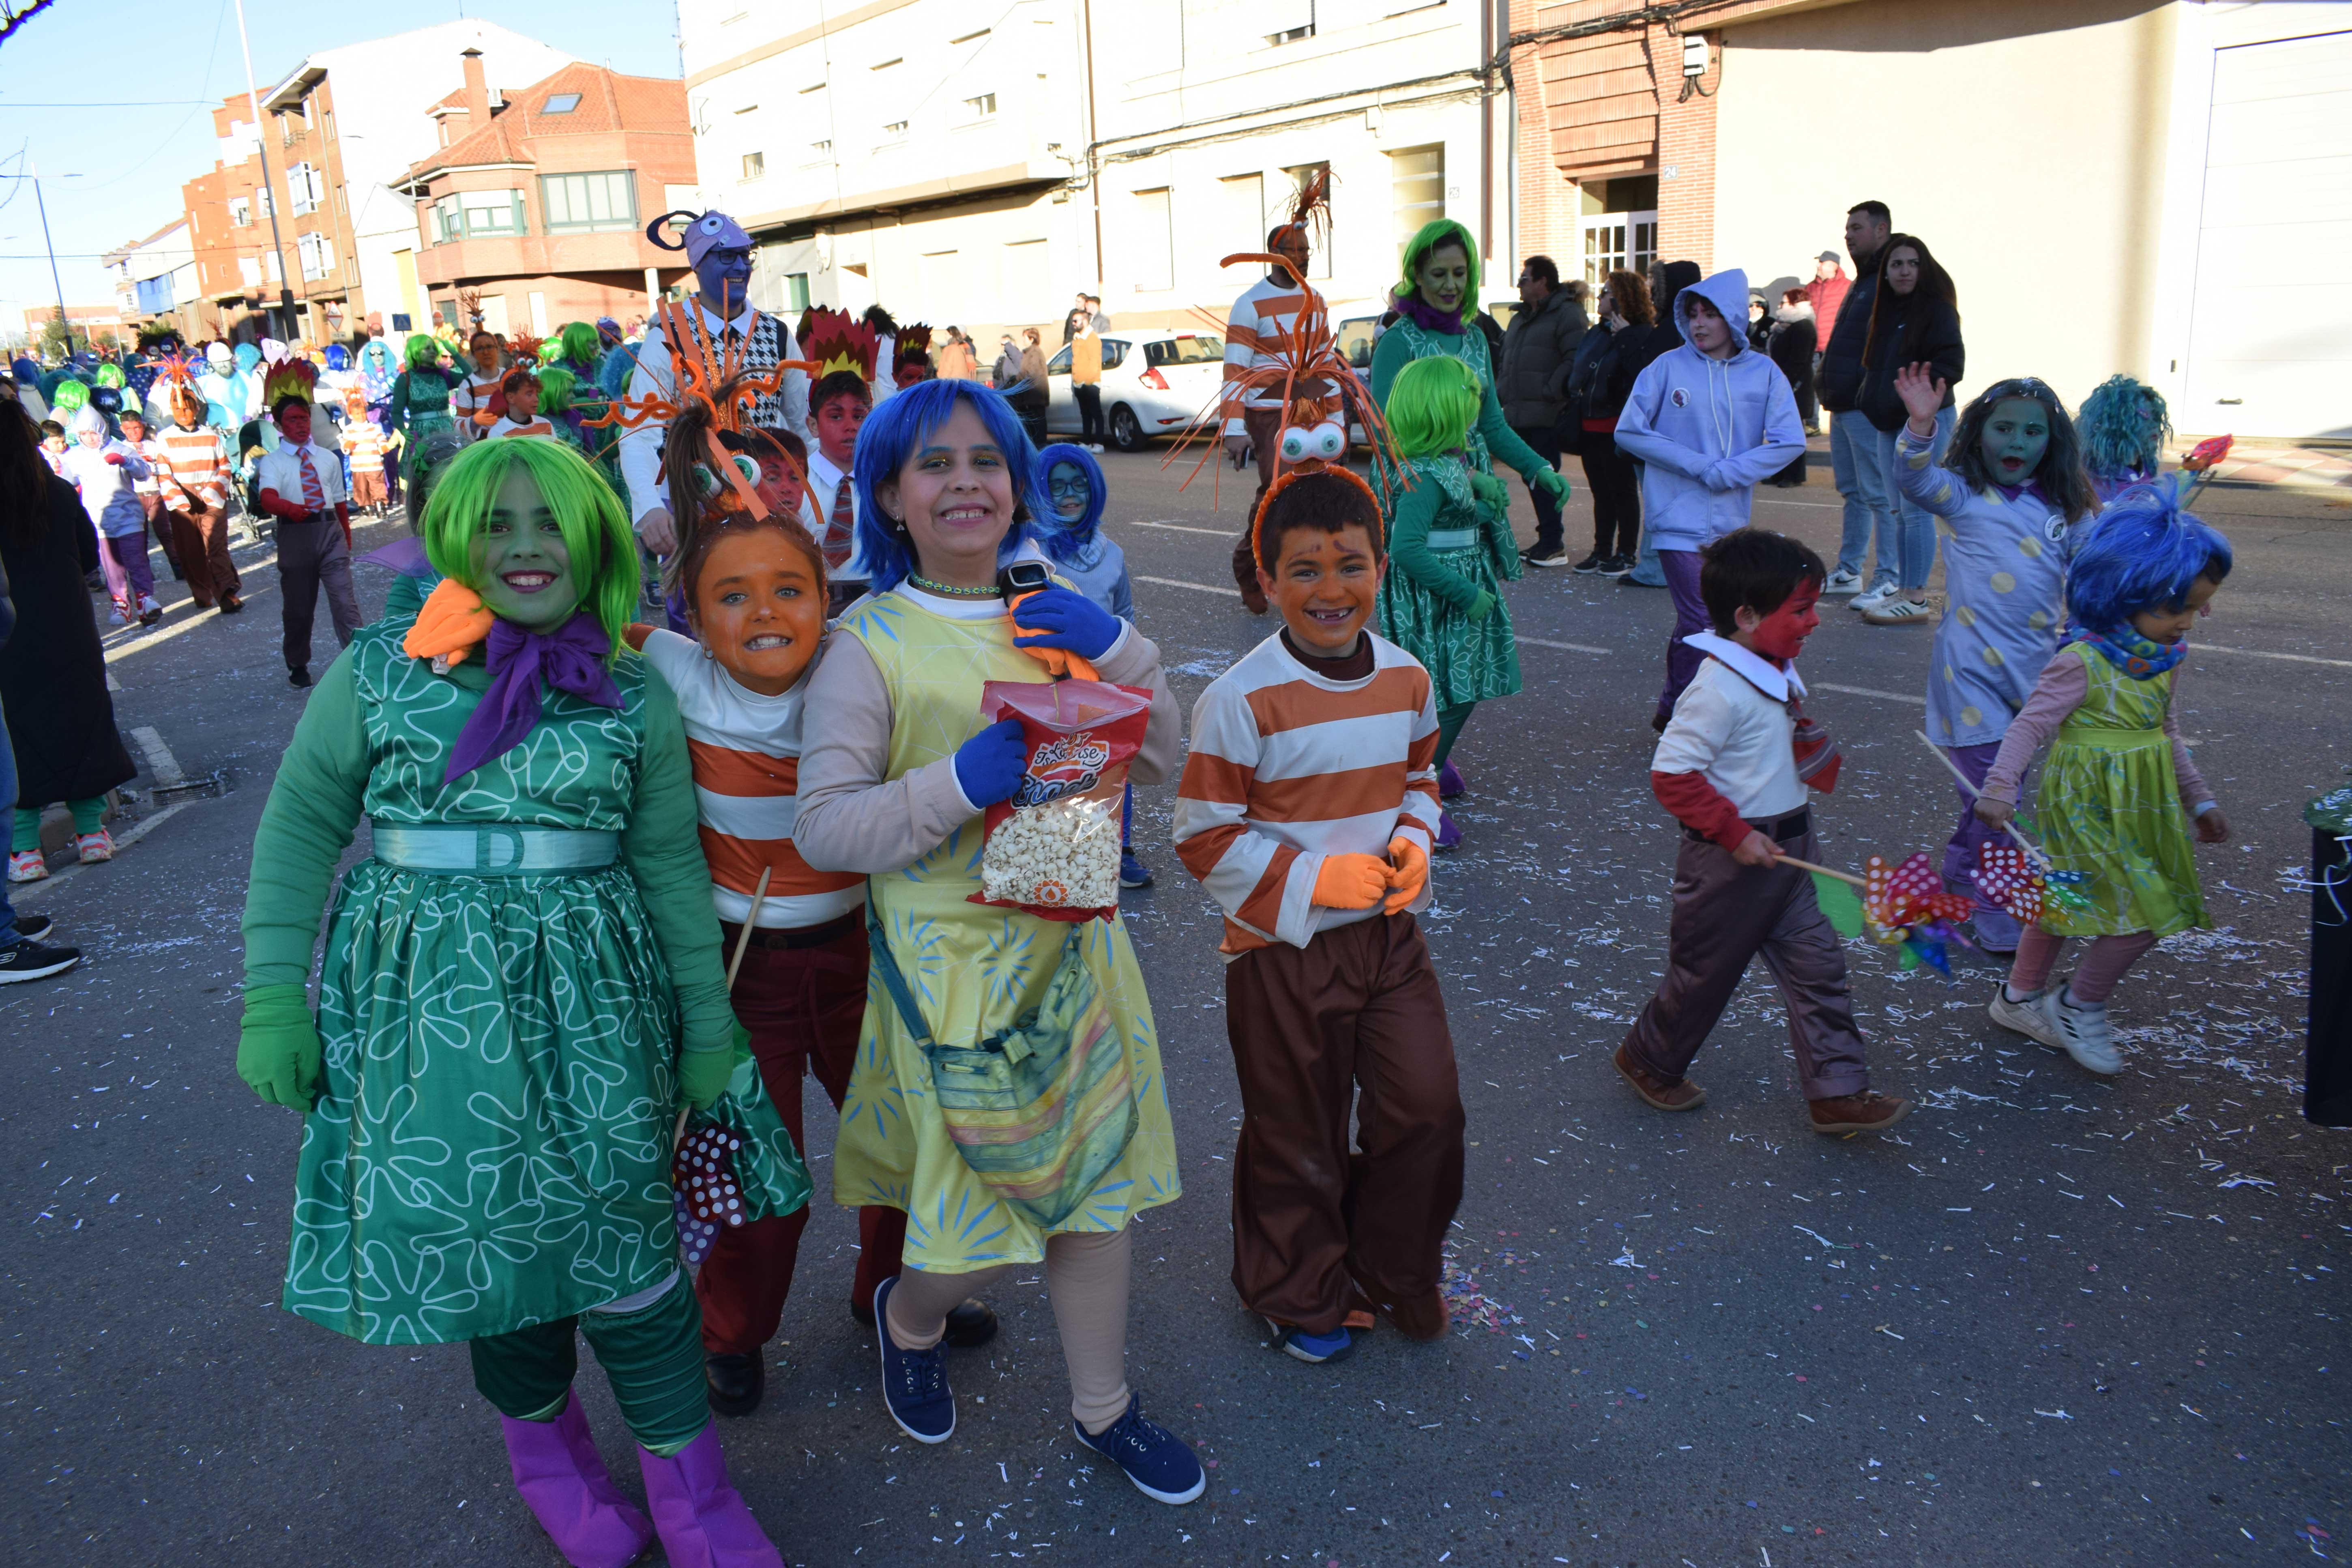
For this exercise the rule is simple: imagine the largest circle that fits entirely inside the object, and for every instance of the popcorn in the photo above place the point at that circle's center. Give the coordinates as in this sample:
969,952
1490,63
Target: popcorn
1060,855
1052,849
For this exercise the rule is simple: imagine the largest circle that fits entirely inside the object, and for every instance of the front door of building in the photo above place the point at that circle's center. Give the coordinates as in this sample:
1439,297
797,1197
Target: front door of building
1618,240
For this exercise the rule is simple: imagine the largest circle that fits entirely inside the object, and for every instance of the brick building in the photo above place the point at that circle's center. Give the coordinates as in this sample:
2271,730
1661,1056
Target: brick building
535,205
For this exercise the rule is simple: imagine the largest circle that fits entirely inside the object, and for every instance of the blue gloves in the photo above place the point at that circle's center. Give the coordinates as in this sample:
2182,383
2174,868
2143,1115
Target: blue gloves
989,766
1068,620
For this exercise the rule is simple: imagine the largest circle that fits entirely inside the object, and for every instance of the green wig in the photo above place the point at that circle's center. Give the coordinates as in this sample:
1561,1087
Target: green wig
555,390
578,342
595,524
423,353
1434,235
1432,405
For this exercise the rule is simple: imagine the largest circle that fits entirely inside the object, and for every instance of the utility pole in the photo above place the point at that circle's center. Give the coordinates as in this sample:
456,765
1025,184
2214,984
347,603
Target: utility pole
64,319
269,197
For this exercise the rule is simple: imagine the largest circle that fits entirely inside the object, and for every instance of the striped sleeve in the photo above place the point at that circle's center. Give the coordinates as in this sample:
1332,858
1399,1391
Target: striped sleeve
1417,818
1264,887
1241,353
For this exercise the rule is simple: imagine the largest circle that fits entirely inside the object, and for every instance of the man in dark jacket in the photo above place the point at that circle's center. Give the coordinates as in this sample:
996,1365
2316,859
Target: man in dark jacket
1853,445
1541,338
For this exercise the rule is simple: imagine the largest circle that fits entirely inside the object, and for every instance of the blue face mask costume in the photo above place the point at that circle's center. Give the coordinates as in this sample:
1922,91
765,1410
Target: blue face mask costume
1064,537
719,252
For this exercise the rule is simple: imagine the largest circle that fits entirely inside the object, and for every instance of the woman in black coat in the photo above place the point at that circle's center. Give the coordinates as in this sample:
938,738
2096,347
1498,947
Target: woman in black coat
1913,316
1790,346
53,669
1598,380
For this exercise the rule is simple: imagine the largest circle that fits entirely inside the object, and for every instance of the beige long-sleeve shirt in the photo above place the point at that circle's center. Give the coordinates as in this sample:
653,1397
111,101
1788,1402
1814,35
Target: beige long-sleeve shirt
853,818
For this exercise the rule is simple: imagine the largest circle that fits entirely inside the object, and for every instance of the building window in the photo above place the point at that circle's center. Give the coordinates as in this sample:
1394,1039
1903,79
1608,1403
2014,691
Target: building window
303,186
755,166
285,131
318,254
982,108
796,292
240,213
471,215
895,130
559,103
1417,188
820,151
326,125
1291,34
578,203
1155,241
1318,257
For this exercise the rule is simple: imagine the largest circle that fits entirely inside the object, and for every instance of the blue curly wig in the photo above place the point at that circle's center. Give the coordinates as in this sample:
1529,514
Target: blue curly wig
2143,553
2124,424
897,430
1062,538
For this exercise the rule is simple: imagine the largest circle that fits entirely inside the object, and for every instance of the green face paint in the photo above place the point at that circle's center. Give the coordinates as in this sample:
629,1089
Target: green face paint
526,568
2015,437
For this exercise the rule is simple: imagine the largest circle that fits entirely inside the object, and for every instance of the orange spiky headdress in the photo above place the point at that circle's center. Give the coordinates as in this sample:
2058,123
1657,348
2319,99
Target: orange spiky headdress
179,379
290,377
714,379
1310,208
837,341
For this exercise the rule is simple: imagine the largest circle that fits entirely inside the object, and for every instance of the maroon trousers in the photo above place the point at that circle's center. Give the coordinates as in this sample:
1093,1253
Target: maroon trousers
803,1008
200,541
1354,1018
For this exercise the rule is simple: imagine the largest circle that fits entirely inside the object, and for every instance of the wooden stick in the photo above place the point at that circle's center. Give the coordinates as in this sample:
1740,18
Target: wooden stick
1824,870
2031,847
759,897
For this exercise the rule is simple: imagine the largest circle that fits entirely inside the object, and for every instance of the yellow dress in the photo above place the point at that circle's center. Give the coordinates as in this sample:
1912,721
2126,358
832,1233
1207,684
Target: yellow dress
972,969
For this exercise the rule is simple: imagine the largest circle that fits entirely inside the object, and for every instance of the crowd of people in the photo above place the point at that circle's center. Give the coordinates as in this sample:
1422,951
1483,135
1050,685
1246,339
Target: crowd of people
767,683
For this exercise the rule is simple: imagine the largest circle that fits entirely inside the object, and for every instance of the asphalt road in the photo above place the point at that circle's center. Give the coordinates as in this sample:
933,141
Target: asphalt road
2052,1318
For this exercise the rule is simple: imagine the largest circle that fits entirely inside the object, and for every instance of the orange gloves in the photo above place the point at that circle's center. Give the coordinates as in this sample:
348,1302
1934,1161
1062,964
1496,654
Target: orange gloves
1410,874
1352,882
452,621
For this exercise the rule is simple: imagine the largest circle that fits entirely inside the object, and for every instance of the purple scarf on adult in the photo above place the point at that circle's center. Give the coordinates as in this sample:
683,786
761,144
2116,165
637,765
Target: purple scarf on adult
1429,318
569,659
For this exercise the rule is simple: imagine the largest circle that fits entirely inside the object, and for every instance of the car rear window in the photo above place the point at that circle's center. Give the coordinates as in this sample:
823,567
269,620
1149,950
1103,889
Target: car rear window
1186,348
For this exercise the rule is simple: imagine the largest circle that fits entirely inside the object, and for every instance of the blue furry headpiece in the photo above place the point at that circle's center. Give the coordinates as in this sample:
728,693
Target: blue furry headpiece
896,431
2125,425
2143,553
1062,538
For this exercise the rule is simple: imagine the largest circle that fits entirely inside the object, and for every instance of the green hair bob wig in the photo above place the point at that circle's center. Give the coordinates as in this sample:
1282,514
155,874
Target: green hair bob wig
423,353
1432,405
1437,235
578,342
595,524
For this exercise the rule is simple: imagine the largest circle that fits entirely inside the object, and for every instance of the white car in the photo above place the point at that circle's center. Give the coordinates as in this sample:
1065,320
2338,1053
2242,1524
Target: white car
1154,383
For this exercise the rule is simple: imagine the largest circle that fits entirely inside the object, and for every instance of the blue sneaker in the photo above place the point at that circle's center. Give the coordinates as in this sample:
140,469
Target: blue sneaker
1132,872
1154,1458
914,1383
1316,1349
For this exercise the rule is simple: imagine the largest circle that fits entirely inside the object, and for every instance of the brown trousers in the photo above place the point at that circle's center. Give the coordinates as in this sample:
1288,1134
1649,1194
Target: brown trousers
1355,1016
200,545
367,487
1725,914
161,526
310,556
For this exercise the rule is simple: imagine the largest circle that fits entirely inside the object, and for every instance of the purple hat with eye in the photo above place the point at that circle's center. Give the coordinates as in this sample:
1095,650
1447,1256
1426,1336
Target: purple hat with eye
704,232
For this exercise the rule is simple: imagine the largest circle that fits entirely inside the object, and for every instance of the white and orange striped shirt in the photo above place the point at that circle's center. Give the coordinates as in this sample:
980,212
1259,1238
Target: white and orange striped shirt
1254,338
507,426
196,460
1288,767
364,444
746,751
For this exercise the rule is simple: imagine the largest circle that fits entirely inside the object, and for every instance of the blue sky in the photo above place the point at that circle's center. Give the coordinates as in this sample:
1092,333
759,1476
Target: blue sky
166,65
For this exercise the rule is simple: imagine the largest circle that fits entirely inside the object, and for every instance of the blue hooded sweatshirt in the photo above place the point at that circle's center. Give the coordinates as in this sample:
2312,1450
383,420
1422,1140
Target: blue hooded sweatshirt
1707,430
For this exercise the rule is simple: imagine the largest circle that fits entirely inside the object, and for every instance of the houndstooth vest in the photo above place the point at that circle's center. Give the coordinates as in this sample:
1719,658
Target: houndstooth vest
767,346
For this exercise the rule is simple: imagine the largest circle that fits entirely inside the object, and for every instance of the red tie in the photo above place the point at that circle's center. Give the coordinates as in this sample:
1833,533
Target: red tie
314,495
840,529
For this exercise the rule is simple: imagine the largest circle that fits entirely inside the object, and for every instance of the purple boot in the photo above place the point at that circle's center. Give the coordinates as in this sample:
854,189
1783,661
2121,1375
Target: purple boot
701,1518
571,1495
1448,836
1449,781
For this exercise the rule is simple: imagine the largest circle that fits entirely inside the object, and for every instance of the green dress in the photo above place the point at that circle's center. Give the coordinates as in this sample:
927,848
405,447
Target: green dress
418,408
1491,439
2110,808
972,969
490,1149
1445,548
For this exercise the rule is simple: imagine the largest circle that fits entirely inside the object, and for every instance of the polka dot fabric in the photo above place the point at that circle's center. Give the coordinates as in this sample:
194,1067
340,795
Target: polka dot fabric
707,1198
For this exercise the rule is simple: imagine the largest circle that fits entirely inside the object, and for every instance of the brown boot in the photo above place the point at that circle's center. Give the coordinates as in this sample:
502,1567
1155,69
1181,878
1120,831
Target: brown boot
1659,1093
1868,1111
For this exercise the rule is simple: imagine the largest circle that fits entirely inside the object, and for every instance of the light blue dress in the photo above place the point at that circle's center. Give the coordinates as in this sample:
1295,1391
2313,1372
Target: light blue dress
1098,570
2005,555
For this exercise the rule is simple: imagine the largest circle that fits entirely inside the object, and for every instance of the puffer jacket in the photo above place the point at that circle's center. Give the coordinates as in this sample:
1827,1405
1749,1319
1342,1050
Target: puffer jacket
1539,339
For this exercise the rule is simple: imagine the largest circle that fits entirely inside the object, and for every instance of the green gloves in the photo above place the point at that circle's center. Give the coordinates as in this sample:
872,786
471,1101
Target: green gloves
1491,491
278,1049
1553,483
1482,606
702,1075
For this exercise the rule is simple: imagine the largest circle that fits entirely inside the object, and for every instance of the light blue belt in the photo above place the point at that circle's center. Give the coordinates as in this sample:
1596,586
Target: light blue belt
494,849
1451,538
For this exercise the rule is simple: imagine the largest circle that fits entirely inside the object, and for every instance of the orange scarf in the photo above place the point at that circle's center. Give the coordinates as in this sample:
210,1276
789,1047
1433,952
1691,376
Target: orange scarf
453,623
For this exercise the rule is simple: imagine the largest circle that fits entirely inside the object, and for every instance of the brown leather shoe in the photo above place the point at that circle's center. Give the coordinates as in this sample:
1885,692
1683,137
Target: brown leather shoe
1868,1111
1660,1094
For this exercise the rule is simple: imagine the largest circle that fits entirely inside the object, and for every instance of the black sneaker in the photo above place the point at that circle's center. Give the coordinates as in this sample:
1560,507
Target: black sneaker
32,928
1615,566
734,1383
1592,564
1544,555
35,961
299,677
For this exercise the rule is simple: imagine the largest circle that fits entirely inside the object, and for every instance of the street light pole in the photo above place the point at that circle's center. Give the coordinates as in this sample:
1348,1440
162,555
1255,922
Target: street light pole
65,320
269,197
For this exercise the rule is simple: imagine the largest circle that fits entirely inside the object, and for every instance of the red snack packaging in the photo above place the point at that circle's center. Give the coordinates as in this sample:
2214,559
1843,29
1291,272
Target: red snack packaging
1052,849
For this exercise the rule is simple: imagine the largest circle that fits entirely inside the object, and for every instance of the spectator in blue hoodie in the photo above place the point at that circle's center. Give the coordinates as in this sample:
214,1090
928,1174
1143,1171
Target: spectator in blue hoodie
1708,420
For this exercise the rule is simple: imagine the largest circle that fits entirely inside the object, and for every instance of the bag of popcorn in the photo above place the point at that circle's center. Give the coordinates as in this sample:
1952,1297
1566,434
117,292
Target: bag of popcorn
1052,849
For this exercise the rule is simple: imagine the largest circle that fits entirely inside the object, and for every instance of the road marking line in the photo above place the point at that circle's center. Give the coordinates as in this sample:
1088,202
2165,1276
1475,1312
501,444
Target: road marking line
1181,527
129,836
1870,692
1567,646
161,763
1196,587
2258,653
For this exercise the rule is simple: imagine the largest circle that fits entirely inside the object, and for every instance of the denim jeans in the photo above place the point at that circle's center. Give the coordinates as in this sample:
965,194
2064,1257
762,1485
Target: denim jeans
1861,480
1912,526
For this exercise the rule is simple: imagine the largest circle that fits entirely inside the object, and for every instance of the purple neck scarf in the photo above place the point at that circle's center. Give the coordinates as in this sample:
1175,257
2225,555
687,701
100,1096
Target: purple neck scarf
1431,319
569,659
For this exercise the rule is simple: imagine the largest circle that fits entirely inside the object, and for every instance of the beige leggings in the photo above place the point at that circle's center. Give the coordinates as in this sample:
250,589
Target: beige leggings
1086,1277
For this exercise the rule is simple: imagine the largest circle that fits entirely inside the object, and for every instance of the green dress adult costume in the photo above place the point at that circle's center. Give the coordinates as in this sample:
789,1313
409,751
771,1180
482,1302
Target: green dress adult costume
419,406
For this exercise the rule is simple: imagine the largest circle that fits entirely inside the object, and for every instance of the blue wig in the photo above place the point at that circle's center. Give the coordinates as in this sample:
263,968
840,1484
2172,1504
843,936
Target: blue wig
1062,538
2124,424
2143,553
338,357
897,430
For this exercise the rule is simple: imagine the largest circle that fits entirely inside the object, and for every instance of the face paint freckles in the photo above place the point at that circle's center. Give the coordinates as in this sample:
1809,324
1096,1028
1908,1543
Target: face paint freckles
759,609
524,566
2015,437
1782,635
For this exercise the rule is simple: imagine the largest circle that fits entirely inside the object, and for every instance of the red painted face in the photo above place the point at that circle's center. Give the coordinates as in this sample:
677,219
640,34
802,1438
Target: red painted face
294,423
780,488
1782,635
